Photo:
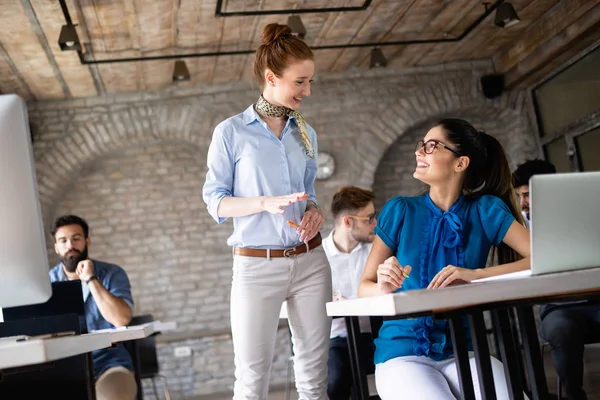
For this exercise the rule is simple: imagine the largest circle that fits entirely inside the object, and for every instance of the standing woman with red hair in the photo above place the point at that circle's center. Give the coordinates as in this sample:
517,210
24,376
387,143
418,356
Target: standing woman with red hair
261,172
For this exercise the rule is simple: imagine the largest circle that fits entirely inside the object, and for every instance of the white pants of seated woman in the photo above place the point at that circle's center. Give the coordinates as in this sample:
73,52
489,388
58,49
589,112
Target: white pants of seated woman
258,289
414,377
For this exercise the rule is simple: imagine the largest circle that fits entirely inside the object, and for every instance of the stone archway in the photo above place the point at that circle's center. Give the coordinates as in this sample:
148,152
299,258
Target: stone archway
395,169
392,131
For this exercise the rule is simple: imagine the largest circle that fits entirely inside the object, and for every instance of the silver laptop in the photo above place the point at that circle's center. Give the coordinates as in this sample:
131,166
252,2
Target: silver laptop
565,222
564,226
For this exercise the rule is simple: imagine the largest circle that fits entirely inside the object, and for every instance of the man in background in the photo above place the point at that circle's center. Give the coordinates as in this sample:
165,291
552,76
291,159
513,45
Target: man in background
521,177
347,248
568,326
107,300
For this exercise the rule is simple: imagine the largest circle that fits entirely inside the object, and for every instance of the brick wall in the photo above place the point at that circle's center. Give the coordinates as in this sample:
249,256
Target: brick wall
134,166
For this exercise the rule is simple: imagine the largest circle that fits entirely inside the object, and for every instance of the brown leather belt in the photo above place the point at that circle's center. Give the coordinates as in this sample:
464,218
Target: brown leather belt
290,252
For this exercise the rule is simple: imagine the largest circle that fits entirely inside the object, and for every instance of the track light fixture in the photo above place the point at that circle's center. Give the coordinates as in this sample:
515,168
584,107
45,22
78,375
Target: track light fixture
506,16
377,58
68,39
298,29
181,72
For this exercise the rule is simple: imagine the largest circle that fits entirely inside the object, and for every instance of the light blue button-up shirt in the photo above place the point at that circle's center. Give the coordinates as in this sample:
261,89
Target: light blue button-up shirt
246,159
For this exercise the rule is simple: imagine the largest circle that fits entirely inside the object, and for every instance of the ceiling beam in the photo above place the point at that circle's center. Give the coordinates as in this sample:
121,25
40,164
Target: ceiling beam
15,71
94,70
37,28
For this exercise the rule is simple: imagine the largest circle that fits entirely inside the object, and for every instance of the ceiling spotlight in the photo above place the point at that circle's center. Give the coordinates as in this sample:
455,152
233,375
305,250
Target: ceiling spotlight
68,39
297,27
181,72
377,58
506,16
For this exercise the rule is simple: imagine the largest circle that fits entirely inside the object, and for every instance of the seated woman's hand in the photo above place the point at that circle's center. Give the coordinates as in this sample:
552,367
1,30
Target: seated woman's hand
391,275
451,275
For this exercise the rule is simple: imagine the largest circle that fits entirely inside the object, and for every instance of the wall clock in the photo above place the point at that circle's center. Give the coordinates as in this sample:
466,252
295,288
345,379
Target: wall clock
326,166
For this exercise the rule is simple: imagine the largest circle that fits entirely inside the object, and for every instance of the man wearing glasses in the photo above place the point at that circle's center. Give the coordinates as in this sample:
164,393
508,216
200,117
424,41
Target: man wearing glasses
347,248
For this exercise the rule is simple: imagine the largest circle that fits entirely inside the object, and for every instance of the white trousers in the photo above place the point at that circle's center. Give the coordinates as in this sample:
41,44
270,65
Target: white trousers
258,289
419,377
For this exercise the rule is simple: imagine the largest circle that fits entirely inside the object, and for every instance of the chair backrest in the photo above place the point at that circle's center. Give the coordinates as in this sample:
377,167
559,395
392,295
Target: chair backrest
72,377
376,323
143,351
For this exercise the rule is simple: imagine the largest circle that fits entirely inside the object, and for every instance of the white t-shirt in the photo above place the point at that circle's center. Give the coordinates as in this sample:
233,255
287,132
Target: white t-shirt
346,272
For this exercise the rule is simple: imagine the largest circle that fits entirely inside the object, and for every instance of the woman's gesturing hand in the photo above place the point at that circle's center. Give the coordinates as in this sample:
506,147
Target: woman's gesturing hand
276,204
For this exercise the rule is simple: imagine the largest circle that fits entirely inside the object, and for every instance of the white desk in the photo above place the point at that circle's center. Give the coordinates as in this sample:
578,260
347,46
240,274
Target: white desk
137,331
15,353
471,299
463,296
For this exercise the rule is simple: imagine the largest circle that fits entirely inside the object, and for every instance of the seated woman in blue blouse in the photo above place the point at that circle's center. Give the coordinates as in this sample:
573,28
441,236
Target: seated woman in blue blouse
442,238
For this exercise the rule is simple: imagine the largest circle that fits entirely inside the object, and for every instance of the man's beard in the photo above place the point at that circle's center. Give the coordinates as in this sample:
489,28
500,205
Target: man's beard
72,258
368,238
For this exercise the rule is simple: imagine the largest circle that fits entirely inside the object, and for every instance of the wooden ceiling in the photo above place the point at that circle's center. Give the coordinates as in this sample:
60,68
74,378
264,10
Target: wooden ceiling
33,66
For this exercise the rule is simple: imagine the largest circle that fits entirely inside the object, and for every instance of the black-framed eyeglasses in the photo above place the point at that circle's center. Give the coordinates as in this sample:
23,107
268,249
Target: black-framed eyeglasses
430,145
371,218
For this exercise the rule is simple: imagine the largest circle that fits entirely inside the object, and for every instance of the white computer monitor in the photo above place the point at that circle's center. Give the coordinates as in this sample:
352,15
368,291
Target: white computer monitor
24,276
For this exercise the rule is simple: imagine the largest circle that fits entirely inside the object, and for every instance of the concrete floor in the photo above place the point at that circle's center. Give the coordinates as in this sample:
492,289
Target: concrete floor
591,380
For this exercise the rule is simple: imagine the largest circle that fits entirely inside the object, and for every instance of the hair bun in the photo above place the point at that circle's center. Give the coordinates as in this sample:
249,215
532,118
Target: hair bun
274,31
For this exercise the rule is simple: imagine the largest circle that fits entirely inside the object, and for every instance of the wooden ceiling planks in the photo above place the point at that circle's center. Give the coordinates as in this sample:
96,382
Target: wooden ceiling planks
445,24
77,76
528,14
11,80
156,23
480,36
545,27
23,48
469,13
386,17
32,65
341,29
579,29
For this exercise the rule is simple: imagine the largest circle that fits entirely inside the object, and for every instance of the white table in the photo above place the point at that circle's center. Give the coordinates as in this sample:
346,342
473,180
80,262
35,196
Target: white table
18,353
136,332
463,296
24,350
471,299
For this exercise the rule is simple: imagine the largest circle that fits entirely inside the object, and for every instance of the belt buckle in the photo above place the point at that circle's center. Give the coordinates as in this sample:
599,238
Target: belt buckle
290,252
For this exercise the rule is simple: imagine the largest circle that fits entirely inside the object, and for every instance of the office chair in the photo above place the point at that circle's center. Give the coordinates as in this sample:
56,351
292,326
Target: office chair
145,360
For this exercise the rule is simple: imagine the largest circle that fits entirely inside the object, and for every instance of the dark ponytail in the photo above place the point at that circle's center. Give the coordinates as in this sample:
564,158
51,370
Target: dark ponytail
488,172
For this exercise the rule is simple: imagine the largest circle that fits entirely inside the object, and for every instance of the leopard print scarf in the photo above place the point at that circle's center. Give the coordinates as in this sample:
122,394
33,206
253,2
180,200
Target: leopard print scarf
265,108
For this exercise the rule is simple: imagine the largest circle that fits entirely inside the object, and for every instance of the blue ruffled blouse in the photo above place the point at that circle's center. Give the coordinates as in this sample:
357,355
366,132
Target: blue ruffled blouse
427,239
